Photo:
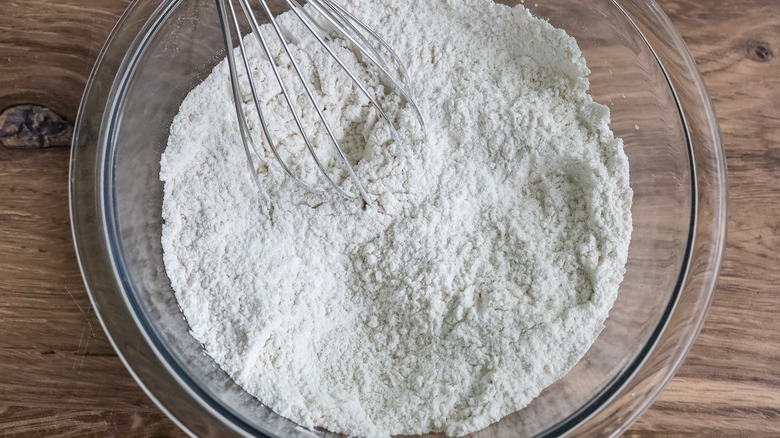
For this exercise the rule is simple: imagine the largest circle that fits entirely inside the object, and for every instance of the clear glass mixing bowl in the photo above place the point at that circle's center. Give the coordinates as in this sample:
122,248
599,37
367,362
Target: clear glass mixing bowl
641,69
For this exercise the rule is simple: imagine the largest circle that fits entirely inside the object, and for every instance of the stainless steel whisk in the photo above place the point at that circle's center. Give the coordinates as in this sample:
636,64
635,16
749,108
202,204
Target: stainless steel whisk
347,27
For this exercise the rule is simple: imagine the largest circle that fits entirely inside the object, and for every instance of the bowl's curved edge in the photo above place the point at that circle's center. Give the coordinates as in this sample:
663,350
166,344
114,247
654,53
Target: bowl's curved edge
86,220
145,366
708,227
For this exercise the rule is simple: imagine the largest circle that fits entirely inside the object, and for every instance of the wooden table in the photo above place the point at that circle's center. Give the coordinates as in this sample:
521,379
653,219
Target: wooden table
59,374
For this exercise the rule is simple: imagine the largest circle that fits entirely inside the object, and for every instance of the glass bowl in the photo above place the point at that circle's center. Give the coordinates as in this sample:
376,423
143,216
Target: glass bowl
641,69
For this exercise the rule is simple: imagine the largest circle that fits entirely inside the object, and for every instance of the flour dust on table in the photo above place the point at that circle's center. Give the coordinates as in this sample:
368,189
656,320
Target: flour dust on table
482,269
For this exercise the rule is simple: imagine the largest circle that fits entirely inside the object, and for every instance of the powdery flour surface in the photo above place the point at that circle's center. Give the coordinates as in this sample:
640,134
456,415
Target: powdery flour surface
480,273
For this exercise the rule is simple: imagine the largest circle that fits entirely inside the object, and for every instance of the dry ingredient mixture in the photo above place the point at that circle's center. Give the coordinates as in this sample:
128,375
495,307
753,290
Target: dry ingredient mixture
480,273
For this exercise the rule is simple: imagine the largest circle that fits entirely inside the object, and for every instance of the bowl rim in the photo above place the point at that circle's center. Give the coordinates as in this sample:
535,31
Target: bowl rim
101,138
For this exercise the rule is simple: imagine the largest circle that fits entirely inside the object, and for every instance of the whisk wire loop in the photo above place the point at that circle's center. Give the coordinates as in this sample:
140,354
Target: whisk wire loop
313,99
290,104
246,135
343,21
310,23
346,26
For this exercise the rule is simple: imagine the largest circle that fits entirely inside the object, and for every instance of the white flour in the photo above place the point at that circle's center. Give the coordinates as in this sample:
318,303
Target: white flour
481,273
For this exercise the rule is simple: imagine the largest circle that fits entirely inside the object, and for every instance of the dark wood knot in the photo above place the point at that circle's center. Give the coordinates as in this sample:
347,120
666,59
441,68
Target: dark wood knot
33,126
759,51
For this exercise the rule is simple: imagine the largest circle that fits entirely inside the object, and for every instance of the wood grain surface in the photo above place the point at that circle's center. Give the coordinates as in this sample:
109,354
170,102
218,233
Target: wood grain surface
59,375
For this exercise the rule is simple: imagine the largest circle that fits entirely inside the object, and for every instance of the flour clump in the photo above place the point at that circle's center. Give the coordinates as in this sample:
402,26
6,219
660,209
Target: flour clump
480,273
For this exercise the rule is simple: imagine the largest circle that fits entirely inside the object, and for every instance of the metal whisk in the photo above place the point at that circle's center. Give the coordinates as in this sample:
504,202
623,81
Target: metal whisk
346,26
